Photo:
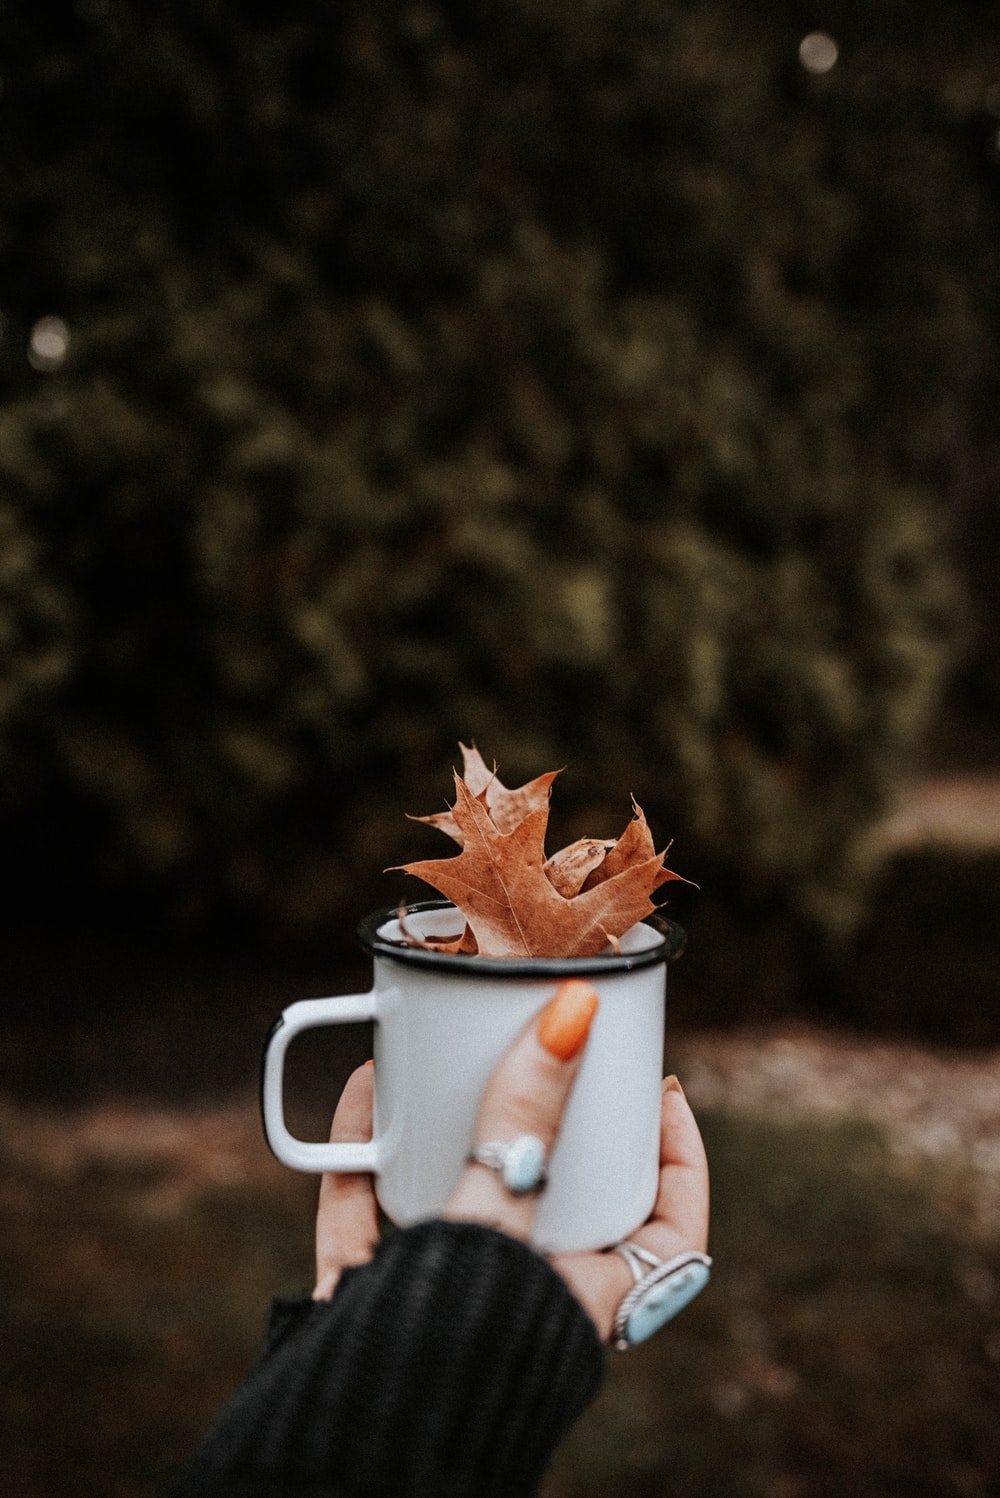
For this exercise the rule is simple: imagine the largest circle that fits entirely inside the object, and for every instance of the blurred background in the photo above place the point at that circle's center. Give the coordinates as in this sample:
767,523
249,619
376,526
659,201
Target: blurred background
612,385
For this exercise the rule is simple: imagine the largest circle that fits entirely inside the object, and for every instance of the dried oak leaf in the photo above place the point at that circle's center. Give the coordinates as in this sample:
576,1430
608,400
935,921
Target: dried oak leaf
570,868
514,899
506,807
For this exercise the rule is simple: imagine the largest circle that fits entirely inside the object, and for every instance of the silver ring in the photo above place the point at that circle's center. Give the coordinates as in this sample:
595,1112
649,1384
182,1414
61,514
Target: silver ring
521,1162
661,1289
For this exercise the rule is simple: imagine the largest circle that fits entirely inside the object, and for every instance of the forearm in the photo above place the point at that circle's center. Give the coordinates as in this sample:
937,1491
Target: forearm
450,1365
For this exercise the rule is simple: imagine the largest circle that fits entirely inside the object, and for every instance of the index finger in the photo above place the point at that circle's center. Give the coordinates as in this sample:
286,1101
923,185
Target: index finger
346,1217
677,1223
680,1214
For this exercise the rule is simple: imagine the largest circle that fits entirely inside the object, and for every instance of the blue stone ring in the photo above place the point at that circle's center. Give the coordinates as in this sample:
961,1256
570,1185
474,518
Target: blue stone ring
521,1162
661,1289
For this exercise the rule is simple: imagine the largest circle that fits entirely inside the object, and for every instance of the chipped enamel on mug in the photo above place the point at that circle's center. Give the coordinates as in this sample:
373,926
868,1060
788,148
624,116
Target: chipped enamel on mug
441,1024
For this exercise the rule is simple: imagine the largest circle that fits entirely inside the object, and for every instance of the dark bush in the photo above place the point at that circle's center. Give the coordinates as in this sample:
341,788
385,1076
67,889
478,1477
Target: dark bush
583,380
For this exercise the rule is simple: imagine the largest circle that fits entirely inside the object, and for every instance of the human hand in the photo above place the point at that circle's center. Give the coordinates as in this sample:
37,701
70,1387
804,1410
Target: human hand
526,1094
677,1224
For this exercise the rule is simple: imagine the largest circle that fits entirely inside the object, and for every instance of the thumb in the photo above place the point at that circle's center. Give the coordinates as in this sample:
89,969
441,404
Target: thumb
526,1094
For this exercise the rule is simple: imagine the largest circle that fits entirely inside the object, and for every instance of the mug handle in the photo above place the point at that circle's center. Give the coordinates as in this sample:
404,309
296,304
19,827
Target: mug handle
308,1014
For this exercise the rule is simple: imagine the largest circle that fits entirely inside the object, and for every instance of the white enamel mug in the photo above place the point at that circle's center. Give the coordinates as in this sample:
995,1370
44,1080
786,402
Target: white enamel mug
441,1024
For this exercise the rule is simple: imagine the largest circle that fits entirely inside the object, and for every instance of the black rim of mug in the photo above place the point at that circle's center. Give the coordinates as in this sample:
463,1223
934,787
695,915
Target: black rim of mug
668,949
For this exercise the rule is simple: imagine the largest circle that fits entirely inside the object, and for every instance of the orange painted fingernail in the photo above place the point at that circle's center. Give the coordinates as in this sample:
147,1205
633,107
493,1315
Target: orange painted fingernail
671,1084
566,1019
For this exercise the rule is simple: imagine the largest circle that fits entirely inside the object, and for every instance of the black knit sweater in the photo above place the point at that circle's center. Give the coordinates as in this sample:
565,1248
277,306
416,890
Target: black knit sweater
451,1365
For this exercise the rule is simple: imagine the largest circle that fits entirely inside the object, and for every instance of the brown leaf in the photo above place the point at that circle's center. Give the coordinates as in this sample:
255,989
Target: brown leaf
634,846
475,771
568,870
506,807
499,882
464,942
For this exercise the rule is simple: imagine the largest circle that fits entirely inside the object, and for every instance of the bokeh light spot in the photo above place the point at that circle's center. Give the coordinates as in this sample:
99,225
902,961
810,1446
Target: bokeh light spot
818,52
48,344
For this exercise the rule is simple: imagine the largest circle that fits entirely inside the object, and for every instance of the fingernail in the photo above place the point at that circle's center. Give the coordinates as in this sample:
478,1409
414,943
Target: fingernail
566,1019
671,1084
370,1061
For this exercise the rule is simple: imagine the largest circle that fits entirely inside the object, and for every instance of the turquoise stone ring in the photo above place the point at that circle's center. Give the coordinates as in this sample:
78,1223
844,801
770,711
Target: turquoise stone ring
665,1288
521,1162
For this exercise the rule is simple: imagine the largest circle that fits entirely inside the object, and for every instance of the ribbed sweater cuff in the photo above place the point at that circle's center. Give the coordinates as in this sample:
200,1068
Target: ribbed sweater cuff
450,1365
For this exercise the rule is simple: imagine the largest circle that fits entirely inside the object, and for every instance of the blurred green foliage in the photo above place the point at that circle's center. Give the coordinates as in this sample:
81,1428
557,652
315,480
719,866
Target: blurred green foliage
587,380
